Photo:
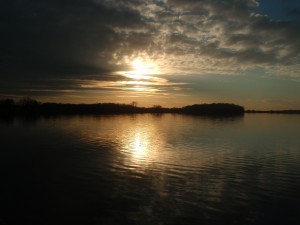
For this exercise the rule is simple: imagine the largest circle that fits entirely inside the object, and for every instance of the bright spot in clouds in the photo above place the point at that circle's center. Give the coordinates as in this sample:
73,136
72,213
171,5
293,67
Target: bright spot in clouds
142,69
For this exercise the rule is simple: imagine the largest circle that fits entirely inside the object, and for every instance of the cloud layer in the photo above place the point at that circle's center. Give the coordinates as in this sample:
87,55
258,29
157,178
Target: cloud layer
91,40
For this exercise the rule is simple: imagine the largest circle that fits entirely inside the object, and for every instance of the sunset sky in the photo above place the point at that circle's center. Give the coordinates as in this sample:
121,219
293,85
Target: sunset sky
166,52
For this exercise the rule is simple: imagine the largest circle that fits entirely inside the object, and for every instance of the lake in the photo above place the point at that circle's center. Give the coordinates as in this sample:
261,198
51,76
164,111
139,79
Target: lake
150,169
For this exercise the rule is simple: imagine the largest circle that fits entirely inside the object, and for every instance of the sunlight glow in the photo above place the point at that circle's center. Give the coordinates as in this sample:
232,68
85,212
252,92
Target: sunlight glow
137,147
143,74
141,69
140,146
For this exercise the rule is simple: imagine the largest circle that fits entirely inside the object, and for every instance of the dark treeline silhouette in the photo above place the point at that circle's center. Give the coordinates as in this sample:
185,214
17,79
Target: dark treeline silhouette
27,106
289,111
214,109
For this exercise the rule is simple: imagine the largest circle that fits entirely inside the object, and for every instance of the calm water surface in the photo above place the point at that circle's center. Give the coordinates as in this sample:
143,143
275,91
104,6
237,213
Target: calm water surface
147,169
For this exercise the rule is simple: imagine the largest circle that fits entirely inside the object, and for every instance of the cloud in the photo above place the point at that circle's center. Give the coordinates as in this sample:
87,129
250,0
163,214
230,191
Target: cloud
66,37
228,29
93,39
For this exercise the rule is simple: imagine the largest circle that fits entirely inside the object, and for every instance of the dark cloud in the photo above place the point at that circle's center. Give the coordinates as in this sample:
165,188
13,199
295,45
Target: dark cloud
65,37
294,13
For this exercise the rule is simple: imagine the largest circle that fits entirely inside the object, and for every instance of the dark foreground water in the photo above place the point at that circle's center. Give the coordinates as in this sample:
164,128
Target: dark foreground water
148,169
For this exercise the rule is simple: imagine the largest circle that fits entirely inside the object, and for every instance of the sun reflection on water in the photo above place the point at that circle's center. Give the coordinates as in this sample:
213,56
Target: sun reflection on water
140,146
143,142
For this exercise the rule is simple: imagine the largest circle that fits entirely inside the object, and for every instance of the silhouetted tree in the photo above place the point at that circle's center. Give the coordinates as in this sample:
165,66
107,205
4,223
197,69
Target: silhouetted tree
7,106
7,102
28,106
134,104
28,102
157,106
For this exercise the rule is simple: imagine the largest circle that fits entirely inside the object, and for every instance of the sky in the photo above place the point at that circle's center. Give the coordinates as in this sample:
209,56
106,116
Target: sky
154,52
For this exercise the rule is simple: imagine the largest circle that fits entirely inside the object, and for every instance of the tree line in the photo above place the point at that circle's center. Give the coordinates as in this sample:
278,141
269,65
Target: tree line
28,106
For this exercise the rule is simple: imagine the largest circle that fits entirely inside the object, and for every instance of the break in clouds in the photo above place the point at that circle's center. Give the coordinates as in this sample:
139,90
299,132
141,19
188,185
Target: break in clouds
63,44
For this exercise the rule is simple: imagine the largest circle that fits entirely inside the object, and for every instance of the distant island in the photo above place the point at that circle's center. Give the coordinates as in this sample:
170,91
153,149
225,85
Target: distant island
31,107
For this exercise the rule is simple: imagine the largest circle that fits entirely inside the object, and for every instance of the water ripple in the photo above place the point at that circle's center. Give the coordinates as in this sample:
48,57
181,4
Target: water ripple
152,170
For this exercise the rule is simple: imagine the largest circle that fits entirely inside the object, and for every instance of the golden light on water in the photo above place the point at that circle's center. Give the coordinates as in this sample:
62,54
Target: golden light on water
140,142
137,146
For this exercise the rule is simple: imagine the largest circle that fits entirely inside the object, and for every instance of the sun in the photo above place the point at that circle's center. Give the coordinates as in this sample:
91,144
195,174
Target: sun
142,69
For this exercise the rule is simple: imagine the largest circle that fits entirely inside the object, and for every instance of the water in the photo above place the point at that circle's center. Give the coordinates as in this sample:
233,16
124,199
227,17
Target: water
147,169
